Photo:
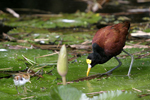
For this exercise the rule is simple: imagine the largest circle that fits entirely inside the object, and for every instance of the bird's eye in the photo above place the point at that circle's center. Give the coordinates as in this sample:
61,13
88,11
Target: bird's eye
21,78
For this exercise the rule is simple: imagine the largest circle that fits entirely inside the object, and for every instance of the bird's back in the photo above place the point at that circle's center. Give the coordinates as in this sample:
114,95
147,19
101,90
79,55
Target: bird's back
112,38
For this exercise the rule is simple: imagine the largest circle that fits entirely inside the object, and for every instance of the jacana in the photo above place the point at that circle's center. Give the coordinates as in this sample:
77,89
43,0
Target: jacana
21,79
108,42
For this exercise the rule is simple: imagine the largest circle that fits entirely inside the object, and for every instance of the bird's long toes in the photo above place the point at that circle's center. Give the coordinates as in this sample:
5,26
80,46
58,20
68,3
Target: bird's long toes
107,73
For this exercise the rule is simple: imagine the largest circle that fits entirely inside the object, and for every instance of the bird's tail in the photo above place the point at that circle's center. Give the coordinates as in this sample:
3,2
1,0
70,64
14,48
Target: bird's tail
126,24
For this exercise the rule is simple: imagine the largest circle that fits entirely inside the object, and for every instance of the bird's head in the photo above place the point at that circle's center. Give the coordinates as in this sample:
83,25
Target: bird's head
92,60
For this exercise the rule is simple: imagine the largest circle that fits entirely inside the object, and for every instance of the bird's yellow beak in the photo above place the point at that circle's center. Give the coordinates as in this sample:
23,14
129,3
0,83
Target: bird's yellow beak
88,61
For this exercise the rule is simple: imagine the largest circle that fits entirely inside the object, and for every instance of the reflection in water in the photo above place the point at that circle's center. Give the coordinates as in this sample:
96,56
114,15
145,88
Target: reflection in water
71,93
89,86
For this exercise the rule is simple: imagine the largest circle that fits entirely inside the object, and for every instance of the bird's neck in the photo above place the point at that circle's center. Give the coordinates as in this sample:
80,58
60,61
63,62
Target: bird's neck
100,54
102,58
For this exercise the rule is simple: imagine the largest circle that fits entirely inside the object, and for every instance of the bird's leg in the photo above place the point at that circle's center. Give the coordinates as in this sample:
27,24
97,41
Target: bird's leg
17,90
24,88
132,59
120,63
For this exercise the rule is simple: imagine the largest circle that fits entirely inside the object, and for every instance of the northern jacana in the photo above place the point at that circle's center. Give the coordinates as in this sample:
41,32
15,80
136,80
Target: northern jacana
20,79
108,42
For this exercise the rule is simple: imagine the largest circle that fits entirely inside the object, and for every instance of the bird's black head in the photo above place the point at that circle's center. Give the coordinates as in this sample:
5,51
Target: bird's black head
92,60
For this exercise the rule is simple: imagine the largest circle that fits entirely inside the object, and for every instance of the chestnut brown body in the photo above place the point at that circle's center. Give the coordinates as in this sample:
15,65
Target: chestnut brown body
112,38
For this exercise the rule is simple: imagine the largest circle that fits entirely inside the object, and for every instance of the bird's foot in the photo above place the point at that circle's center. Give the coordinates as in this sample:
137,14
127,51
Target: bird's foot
129,76
29,90
21,94
107,73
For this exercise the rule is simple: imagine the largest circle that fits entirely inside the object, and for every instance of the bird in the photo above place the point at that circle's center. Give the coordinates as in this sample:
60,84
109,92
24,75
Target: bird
108,42
21,79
